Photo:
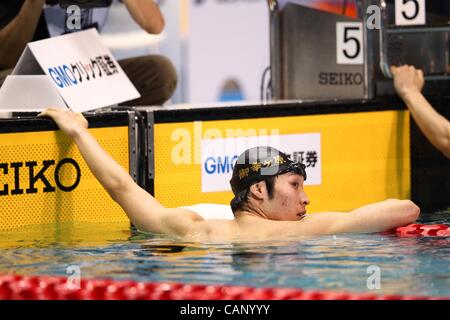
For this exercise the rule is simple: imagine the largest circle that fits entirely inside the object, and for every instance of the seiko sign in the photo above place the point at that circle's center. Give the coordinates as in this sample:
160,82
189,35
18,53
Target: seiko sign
341,78
37,172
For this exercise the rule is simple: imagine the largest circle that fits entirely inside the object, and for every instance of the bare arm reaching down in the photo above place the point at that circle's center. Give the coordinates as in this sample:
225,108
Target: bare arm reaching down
16,34
147,14
144,211
408,83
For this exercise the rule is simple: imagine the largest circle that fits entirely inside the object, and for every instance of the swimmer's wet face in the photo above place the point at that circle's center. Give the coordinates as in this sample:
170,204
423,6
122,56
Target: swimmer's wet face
288,201
266,181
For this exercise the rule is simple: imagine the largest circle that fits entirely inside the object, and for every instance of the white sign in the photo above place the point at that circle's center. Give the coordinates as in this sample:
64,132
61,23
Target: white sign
409,12
349,43
219,155
40,94
81,68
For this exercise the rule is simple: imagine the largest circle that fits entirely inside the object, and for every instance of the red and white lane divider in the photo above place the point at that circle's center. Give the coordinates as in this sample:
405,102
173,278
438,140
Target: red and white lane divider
16,287
427,230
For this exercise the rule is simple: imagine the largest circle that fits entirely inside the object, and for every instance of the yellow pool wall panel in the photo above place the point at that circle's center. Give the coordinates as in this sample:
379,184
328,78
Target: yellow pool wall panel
23,200
365,158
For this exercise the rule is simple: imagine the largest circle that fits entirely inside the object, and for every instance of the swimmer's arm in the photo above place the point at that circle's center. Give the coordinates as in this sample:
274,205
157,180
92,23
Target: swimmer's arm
147,14
433,125
144,211
377,217
408,83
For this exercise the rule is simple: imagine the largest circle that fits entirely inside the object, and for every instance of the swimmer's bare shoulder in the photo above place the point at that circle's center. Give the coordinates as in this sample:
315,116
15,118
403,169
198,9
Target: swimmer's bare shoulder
249,228
246,228
376,217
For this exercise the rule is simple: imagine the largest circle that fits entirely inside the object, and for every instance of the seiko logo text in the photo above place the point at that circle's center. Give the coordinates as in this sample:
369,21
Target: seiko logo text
340,78
37,172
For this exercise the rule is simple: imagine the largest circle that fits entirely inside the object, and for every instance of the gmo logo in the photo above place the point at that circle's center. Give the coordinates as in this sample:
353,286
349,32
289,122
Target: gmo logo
218,165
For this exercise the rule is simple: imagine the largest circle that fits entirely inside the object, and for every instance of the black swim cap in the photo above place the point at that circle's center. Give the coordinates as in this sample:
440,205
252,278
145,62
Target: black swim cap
255,164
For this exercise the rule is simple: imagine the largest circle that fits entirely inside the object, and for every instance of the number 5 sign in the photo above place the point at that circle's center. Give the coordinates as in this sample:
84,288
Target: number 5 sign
409,12
349,43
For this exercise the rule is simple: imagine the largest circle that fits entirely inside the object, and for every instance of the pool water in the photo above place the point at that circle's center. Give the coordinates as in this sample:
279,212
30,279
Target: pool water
349,262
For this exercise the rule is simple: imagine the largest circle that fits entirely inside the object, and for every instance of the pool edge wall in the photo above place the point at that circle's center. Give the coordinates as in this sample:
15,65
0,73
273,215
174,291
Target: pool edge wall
376,164
44,180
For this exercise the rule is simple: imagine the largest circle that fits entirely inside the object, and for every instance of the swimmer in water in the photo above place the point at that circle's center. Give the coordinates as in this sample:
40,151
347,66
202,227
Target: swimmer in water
269,203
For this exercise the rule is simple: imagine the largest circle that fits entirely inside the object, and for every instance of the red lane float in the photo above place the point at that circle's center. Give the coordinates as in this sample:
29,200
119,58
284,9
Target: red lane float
427,230
16,287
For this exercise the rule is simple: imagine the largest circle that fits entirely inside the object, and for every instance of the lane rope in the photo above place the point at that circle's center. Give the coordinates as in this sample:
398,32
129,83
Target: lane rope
17,287
427,230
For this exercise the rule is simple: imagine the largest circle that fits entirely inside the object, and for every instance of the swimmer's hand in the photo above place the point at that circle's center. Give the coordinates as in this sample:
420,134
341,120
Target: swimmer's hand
407,79
72,124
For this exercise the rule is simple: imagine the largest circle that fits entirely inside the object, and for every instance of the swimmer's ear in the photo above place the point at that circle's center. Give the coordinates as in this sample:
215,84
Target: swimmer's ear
257,190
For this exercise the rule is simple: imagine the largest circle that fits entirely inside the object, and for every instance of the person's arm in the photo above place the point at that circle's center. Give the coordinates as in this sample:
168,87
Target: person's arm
16,34
377,217
147,14
144,211
408,83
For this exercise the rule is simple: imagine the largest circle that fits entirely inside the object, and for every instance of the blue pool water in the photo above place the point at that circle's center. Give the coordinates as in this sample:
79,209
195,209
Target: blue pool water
407,266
